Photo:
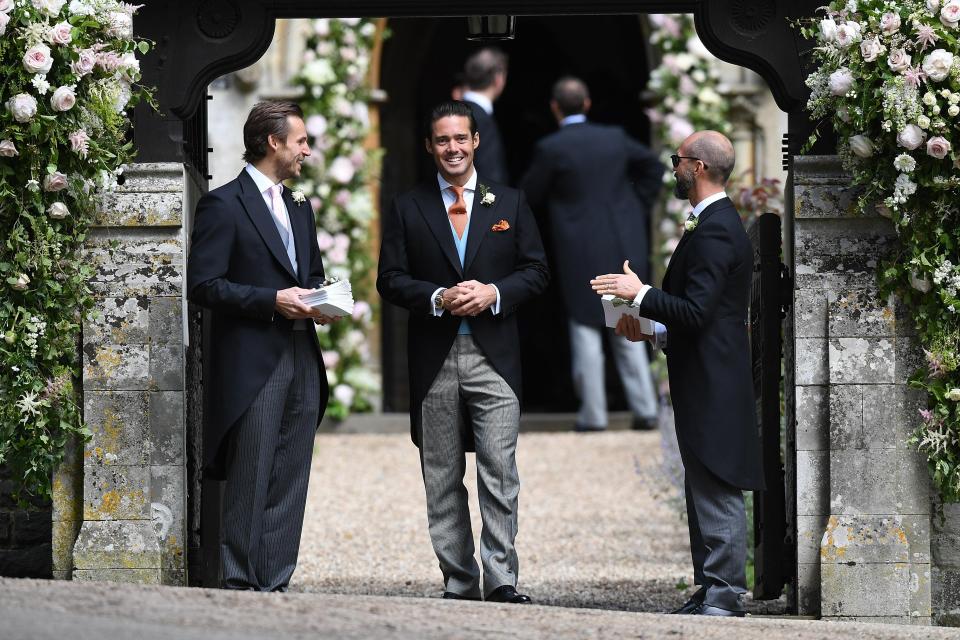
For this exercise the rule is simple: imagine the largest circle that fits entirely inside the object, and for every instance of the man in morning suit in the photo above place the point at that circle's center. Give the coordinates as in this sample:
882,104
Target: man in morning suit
485,76
598,185
701,313
253,253
461,253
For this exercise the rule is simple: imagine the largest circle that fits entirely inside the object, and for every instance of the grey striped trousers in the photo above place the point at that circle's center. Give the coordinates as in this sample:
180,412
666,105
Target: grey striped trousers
268,471
467,382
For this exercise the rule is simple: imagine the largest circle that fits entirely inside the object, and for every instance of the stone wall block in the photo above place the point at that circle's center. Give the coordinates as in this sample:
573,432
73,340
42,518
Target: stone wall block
115,492
119,209
135,266
166,367
909,357
865,590
945,543
809,536
119,321
124,576
890,414
813,483
120,426
823,201
154,177
878,481
846,416
860,313
813,418
125,544
63,538
945,595
810,313
876,539
813,364
166,427
167,507
862,360
115,366
166,321
808,589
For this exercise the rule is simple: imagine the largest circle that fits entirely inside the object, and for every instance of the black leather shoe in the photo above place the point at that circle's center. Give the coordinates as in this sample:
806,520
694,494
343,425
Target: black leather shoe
508,594
643,424
709,610
689,606
587,428
450,595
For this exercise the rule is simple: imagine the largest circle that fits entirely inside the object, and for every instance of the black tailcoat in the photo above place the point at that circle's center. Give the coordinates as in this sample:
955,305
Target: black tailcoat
491,156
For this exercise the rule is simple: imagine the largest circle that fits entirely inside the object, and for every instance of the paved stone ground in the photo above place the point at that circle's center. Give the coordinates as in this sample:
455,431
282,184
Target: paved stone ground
600,522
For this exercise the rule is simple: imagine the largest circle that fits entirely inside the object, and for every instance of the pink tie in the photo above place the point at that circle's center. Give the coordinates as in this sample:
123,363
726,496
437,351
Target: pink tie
277,204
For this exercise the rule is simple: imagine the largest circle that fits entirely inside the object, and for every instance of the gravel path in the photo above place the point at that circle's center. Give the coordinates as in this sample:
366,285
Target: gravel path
600,523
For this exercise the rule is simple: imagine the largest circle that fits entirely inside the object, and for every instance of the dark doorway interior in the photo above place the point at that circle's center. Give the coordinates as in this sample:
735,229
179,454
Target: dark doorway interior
419,62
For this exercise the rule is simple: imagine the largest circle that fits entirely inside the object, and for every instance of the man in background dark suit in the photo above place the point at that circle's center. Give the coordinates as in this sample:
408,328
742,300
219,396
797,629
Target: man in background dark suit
598,185
253,253
461,253
485,76
702,327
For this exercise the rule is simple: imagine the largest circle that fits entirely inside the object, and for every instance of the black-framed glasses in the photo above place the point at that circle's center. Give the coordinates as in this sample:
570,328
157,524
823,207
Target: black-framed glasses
675,159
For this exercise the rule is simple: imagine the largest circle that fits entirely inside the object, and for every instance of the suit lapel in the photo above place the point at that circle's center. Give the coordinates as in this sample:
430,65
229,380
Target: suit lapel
704,216
480,218
256,208
430,203
300,237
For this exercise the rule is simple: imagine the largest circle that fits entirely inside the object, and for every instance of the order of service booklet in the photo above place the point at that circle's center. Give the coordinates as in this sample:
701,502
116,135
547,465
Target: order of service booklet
614,308
334,299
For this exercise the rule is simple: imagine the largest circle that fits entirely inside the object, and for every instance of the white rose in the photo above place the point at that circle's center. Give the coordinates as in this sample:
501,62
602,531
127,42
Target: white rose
950,14
933,6
937,64
929,99
58,211
49,8
60,33
37,59
953,394
85,63
8,149
923,122
4,21
848,33
861,146
130,66
899,60
22,281
871,49
890,23
851,6
80,8
6,6
23,107
344,394
828,30
953,111
55,181
938,147
841,81
63,99
341,170
120,25
911,137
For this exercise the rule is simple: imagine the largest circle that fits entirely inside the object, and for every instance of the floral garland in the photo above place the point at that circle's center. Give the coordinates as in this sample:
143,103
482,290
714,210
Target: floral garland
888,80
337,179
69,75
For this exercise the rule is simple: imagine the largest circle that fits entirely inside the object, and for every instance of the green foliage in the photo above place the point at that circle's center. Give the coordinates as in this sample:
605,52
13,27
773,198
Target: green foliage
888,81
53,163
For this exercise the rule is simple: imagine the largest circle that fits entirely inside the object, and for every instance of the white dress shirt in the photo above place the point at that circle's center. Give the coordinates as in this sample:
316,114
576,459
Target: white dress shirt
659,330
480,100
449,197
264,184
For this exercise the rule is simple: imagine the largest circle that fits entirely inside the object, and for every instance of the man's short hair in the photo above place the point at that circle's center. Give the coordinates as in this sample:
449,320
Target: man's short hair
481,68
447,109
715,151
571,95
267,118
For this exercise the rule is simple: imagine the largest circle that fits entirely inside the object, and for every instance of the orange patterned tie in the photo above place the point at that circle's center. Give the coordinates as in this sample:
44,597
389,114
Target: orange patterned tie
458,211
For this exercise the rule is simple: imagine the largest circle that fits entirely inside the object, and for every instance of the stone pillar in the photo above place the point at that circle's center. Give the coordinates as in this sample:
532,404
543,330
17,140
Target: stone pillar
863,495
134,494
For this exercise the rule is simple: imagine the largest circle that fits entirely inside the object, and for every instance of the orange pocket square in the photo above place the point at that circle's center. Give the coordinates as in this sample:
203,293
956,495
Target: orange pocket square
503,225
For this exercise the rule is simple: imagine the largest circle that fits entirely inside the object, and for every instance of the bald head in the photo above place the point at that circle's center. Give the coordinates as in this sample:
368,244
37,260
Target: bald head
482,68
571,96
715,151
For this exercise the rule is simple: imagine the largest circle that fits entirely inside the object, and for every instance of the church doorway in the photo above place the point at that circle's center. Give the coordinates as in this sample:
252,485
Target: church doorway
418,65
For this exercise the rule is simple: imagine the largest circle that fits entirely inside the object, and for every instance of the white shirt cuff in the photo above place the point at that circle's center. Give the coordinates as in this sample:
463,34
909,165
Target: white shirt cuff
496,305
643,292
433,296
659,336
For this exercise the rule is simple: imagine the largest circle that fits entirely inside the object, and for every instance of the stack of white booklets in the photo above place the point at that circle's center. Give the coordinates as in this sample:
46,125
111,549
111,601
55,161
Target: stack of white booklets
334,300
614,308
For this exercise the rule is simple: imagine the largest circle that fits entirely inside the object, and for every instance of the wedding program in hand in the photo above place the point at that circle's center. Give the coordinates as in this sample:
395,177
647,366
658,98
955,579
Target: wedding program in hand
334,299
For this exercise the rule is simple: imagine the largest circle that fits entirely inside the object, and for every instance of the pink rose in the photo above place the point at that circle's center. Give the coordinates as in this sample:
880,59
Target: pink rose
4,20
890,23
6,6
911,137
58,211
60,33
63,99
120,25
950,14
55,181
330,359
37,59
109,61
79,142
342,199
938,147
85,63
8,149
899,60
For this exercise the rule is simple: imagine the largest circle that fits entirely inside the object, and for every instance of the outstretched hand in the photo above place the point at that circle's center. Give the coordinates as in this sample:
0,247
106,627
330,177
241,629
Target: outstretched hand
626,285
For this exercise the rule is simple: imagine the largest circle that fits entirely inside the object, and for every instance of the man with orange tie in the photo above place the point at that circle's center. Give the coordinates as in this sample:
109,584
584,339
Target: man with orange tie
461,254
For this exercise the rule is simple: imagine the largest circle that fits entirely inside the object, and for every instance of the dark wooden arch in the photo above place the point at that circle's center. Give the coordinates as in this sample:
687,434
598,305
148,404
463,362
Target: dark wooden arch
199,40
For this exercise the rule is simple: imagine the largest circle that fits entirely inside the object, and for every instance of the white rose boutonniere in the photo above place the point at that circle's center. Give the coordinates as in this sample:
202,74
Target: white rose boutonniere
298,197
691,223
487,198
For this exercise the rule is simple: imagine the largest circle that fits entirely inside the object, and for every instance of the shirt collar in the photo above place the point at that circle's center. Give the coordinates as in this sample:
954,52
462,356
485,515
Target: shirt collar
471,184
263,182
706,202
576,118
480,100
